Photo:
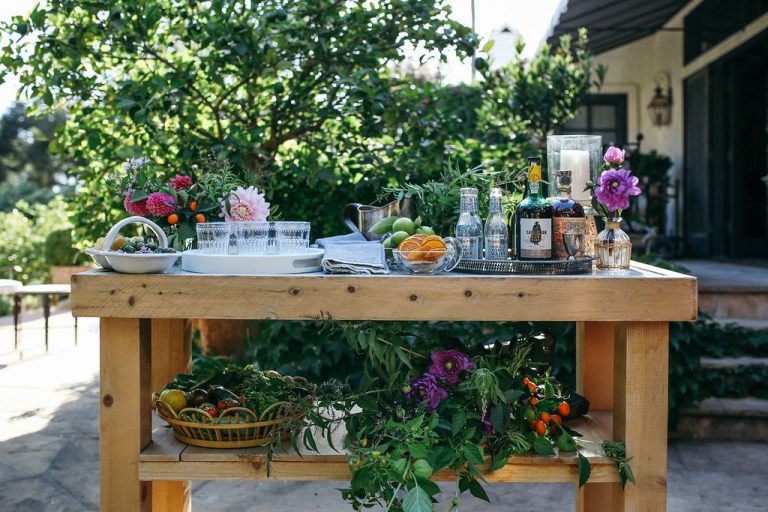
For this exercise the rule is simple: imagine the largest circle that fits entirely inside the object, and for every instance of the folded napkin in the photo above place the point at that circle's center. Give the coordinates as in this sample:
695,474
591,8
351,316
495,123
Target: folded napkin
354,258
349,237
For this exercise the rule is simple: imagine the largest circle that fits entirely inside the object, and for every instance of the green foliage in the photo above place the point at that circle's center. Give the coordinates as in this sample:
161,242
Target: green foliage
59,249
171,81
20,188
529,99
23,239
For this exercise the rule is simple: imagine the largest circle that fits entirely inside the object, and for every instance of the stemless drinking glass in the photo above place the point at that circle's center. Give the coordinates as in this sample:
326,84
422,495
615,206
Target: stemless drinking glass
252,237
292,237
213,237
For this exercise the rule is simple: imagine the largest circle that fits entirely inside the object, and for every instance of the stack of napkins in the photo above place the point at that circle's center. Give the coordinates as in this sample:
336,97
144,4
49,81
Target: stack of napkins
354,257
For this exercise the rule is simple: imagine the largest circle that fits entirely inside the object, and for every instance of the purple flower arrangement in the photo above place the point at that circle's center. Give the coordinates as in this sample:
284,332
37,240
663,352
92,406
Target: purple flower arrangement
615,185
445,371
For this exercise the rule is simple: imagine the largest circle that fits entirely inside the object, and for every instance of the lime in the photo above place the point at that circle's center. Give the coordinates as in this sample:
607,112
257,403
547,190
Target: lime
566,443
397,238
387,243
425,230
404,224
176,398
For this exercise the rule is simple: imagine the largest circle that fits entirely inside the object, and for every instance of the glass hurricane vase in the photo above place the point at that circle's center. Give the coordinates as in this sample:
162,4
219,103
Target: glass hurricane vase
613,247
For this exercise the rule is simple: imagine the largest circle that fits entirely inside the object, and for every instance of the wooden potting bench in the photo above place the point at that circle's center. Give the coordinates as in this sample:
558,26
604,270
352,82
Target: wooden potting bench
622,360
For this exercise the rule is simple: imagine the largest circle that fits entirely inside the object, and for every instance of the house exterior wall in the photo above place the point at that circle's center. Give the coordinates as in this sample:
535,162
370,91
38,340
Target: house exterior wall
633,69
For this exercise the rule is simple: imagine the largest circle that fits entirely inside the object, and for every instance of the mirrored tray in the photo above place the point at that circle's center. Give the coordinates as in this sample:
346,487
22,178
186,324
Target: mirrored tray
542,267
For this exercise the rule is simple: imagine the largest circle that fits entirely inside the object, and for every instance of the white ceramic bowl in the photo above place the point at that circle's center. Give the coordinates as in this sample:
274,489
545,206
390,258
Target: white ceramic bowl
98,257
135,263
141,263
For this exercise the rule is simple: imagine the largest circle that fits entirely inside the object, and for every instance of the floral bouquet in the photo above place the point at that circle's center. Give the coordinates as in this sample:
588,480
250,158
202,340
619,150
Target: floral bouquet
182,202
611,193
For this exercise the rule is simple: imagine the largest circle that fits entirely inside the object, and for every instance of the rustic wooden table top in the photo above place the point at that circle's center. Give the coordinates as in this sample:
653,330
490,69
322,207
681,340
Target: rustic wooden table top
643,293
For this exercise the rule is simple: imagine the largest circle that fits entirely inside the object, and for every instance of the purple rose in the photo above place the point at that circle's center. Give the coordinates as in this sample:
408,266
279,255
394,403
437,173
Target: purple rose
614,188
614,156
426,389
447,365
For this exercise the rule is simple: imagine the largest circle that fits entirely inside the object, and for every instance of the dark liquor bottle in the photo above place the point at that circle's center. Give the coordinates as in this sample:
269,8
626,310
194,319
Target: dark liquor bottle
533,219
567,215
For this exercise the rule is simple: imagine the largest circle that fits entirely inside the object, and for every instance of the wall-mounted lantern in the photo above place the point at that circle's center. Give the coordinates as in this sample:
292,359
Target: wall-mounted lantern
660,107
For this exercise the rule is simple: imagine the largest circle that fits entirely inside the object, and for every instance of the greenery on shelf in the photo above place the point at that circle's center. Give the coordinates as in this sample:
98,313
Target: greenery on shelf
451,400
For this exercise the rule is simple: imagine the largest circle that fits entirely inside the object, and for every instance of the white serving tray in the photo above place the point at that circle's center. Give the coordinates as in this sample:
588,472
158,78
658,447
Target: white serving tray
298,263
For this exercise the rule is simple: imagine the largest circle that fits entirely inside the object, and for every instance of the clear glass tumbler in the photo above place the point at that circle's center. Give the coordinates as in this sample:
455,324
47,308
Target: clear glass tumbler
252,237
213,237
292,237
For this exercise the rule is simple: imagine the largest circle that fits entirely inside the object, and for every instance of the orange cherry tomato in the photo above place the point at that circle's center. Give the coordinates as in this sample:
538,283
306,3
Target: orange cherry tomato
173,219
545,417
193,205
200,217
533,401
564,409
557,419
540,428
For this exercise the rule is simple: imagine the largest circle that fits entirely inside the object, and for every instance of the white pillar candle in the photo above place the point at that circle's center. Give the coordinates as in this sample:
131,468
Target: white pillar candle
577,161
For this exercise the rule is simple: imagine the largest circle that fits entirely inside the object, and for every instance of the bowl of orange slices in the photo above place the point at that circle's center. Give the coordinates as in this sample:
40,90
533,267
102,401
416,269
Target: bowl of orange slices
427,254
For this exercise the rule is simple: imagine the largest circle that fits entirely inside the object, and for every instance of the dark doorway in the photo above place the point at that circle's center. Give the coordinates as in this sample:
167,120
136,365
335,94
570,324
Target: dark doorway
726,148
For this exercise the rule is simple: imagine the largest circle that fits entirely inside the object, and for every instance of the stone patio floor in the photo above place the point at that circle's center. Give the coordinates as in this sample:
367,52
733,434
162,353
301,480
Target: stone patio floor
49,447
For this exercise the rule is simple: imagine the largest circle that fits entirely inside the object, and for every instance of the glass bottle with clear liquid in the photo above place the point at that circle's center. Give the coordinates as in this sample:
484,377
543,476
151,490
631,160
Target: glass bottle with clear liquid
469,228
496,231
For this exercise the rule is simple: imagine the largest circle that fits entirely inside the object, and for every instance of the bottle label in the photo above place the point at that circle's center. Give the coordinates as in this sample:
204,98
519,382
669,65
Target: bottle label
533,186
534,173
559,226
535,238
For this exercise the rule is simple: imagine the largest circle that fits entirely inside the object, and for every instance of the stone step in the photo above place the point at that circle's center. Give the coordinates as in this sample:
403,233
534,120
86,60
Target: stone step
744,419
750,304
732,362
758,324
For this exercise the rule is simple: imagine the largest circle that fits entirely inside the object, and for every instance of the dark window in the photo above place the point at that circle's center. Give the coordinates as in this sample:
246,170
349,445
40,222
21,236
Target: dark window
715,20
602,114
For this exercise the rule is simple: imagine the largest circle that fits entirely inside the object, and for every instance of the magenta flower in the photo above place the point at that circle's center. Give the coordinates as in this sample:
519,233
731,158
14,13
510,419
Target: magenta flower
614,156
614,188
246,205
448,364
179,182
161,204
135,207
426,390
487,424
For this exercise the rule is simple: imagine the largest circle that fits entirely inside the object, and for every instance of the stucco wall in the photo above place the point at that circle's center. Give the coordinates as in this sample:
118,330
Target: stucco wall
632,70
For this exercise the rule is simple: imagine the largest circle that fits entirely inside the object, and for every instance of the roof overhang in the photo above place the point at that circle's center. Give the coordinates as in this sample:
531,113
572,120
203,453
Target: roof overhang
613,23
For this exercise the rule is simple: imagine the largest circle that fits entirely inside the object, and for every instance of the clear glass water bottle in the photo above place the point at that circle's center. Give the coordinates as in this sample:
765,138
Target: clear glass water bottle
496,231
469,229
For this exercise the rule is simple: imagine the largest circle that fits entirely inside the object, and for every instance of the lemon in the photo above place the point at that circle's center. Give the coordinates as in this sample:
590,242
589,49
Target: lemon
404,224
175,398
425,230
397,238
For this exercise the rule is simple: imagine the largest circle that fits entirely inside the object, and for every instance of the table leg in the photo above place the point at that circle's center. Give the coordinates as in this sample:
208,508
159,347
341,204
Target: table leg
46,316
171,355
641,374
594,380
16,319
124,424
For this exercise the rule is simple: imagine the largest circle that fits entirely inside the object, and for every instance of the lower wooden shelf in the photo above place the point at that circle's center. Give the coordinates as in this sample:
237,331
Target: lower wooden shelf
168,459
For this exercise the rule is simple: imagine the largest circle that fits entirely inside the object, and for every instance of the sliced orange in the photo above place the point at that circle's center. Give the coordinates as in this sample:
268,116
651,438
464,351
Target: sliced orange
411,243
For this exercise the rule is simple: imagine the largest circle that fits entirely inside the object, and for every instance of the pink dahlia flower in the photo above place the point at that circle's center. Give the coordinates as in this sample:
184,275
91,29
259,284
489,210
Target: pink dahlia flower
135,207
614,156
614,188
161,204
246,204
179,182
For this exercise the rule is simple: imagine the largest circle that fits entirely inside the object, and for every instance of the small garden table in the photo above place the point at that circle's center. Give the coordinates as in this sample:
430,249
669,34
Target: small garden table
622,363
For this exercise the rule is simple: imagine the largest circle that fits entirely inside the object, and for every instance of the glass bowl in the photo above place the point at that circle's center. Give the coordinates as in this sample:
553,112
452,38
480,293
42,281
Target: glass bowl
431,261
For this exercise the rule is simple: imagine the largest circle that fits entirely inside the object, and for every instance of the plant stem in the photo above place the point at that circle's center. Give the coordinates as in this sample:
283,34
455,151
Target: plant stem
406,350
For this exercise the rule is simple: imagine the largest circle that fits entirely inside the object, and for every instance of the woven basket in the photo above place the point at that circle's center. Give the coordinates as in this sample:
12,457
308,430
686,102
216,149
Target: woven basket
236,427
